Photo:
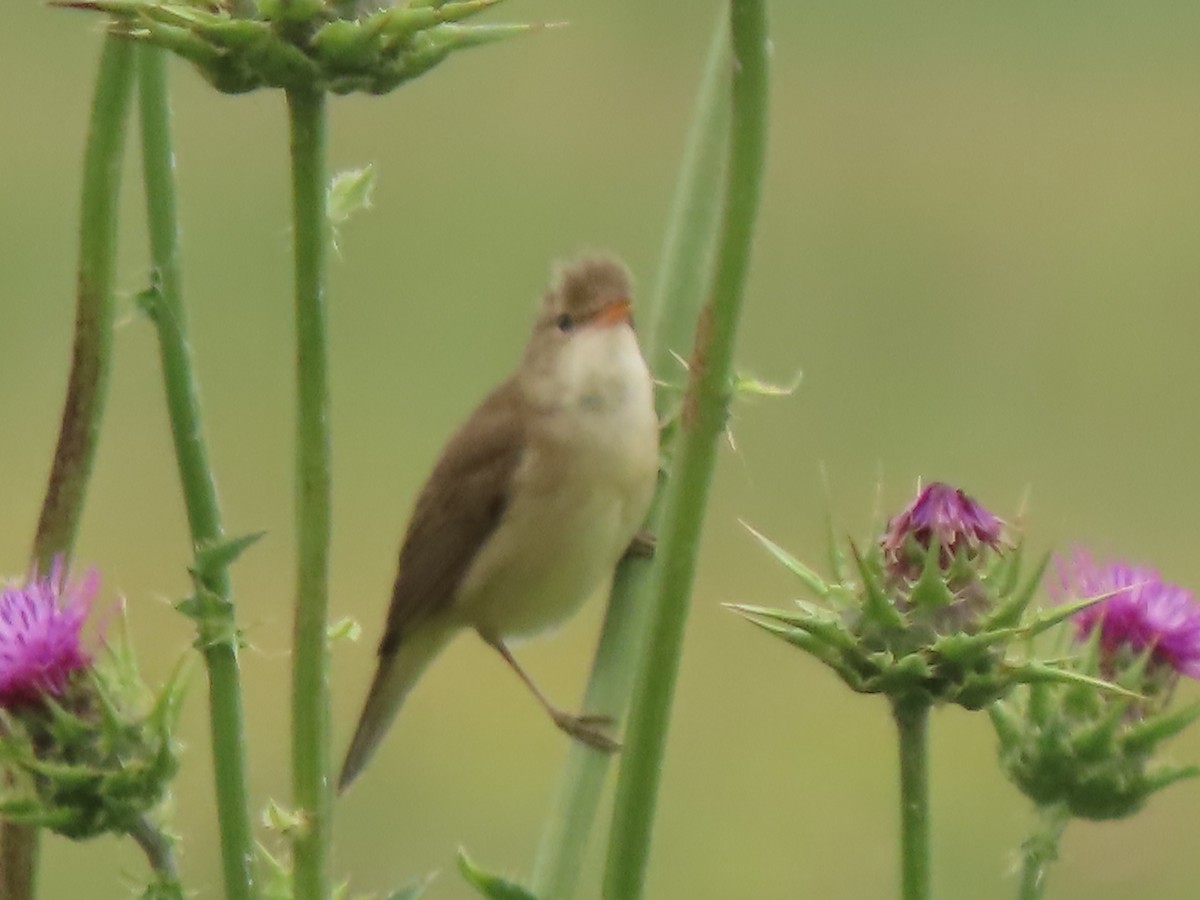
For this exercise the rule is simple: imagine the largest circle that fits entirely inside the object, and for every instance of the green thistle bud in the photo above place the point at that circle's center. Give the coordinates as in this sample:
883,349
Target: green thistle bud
305,44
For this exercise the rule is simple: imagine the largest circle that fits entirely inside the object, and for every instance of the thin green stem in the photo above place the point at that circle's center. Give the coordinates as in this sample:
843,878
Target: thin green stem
164,303
683,274
912,723
87,385
1041,849
705,407
159,848
91,356
310,661
689,240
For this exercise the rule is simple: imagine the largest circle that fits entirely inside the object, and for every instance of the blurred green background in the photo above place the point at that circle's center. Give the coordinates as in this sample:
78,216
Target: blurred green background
978,241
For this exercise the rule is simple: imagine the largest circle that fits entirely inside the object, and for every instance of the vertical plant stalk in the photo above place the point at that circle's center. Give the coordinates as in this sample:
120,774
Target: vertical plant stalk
912,724
311,786
217,639
92,352
702,421
87,385
567,829
684,270
689,240
1041,849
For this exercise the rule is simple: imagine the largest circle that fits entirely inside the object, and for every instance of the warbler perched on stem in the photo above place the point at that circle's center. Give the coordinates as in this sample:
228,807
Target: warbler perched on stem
532,502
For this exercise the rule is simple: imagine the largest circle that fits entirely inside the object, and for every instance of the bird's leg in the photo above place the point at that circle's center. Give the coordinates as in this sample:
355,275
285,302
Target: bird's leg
587,728
642,546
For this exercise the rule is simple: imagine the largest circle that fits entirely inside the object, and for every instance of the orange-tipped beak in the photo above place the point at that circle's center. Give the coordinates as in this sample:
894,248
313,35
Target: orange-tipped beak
616,313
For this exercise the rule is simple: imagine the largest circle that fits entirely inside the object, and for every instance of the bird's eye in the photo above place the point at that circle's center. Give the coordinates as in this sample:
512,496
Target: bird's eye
563,322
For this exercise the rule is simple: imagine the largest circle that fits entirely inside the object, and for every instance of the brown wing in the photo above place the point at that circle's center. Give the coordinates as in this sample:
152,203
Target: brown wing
457,510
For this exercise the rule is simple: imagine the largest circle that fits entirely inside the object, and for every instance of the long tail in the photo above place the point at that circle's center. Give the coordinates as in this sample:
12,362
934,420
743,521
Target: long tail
397,673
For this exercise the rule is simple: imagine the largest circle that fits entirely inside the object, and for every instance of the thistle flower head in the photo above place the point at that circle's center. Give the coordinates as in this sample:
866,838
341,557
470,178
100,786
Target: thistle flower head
1144,613
40,625
1094,751
942,513
928,613
85,748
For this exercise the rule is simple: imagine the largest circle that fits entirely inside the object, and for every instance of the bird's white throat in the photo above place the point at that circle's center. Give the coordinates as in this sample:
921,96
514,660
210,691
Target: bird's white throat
601,370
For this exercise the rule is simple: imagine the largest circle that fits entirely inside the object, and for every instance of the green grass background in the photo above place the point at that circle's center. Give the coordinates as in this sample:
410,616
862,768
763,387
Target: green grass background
978,240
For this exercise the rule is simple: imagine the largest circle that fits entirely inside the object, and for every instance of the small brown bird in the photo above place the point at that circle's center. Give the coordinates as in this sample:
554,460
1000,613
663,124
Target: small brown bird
532,503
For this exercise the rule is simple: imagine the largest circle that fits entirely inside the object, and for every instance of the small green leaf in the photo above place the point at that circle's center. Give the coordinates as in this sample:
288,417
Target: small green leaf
65,727
276,876
349,192
214,557
1037,672
746,385
224,74
449,37
931,590
204,606
149,302
811,579
877,604
1168,775
64,775
490,885
1004,573
811,644
1009,613
963,648
402,21
213,616
20,809
345,628
282,820
820,623
1006,723
910,668
838,563
120,650
349,44
1095,739
1052,617
165,713
1147,734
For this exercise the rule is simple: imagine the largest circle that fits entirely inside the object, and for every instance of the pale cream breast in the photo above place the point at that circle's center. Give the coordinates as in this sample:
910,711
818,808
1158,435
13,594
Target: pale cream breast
551,553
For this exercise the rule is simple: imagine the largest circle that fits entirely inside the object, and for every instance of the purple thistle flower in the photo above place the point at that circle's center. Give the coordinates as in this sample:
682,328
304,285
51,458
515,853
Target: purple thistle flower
946,514
1144,612
40,627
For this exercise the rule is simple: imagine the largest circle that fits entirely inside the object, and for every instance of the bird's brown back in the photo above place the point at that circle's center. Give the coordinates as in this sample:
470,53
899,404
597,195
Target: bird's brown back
459,507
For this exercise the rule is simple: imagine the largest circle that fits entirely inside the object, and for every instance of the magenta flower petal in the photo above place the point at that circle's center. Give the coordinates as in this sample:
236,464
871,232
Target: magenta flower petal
40,626
945,514
1144,612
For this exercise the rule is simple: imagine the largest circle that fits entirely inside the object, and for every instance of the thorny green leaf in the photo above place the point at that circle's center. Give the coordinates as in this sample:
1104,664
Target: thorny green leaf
491,886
